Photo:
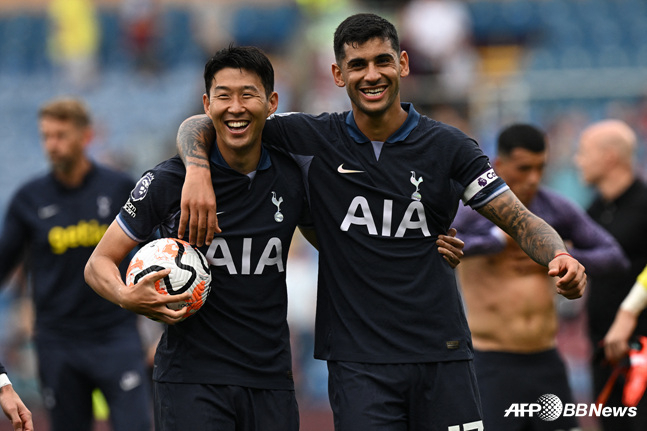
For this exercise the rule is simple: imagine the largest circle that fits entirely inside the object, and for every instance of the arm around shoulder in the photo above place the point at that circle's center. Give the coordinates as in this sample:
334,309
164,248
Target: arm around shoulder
195,137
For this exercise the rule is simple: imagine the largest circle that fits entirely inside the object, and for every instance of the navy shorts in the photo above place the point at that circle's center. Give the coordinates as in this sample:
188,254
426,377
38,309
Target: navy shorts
440,396
187,406
69,374
514,378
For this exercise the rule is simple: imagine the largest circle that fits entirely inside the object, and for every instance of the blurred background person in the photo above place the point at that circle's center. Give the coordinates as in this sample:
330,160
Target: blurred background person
141,25
606,160
510,301
52,224
619,336
74,40
438,36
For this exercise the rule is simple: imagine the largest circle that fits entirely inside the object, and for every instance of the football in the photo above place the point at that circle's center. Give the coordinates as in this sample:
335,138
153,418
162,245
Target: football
189,271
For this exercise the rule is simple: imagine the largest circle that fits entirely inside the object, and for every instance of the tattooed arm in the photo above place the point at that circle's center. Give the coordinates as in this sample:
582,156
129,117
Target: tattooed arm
198,206
539,240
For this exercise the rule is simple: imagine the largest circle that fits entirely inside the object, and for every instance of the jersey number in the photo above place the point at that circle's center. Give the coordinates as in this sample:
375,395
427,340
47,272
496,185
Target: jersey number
470,426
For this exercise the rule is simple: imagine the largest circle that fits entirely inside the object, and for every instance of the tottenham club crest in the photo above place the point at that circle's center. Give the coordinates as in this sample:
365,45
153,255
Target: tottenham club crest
277,215
103,206
416,196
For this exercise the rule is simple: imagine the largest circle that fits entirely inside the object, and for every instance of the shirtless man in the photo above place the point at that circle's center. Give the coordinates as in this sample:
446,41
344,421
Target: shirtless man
510,299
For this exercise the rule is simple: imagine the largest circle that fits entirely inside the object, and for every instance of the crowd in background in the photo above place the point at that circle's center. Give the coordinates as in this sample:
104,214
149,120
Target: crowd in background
138,64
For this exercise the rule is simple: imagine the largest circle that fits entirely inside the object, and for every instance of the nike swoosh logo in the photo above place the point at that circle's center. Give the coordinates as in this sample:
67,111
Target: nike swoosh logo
220,212
341,170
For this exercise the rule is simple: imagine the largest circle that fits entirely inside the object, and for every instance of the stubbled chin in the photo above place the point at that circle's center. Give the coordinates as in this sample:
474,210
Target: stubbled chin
376,108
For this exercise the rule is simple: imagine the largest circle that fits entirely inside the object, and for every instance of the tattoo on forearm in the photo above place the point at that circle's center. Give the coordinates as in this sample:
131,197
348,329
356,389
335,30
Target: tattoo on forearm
194,138
536,237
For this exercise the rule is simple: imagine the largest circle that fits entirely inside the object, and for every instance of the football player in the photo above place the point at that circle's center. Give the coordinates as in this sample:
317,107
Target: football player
383,183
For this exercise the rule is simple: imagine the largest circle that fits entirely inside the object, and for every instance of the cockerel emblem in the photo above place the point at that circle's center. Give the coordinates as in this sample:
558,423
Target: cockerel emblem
416,182
277,215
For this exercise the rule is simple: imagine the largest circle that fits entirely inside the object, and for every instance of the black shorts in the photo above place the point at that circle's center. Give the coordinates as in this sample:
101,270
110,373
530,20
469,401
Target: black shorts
70,373
514,378
440,396
186,406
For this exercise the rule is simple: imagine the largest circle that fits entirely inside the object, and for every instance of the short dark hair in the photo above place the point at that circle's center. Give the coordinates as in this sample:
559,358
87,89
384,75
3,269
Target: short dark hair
360,28
524,136
248,58
67,109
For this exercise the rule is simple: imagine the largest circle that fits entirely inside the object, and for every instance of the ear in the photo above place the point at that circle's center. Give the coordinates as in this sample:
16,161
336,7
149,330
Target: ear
88,136
206,102
274,102
404,64
337,75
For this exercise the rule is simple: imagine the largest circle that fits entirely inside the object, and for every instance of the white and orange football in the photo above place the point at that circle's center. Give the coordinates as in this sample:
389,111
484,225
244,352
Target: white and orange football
189,271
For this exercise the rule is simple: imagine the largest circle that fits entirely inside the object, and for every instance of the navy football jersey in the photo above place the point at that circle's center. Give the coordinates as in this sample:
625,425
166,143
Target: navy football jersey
240,335
56,229
385,294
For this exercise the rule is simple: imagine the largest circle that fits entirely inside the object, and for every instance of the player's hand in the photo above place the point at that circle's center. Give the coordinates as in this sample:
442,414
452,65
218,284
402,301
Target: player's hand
198,207
144,299
450,247
15,409
571,278
616,342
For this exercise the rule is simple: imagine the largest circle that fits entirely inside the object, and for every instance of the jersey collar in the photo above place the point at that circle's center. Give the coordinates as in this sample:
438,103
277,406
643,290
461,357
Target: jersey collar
263,163
400,135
